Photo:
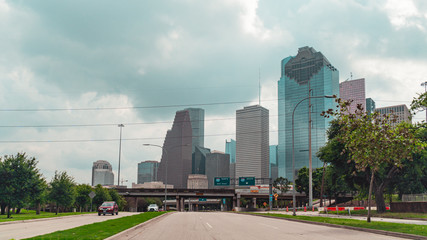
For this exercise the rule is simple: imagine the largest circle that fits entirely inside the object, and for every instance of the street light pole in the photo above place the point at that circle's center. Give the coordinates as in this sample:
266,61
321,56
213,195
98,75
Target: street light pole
166,169
120,151
310,161
293,151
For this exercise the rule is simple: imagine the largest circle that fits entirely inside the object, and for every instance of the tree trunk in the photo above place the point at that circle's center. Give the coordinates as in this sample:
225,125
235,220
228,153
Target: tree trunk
323,182
8,211
379,200
370,196
3,209
18,210
38,207
57,209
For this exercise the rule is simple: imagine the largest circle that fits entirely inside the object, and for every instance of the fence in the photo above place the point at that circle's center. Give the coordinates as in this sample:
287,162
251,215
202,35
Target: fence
414,197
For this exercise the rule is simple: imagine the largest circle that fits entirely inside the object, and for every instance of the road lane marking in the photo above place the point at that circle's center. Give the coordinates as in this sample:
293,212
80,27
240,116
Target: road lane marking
269,226
209,225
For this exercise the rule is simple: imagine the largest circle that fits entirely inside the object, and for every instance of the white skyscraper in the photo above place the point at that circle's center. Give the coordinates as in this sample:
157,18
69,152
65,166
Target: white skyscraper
252,142
102,173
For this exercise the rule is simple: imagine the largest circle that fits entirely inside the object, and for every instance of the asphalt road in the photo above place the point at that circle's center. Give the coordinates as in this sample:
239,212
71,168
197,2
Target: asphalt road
32,228
217,225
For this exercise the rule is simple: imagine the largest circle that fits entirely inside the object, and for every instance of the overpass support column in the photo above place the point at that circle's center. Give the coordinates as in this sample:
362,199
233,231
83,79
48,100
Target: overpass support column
238,200
234,202
136,204
177,203
254,202
182,205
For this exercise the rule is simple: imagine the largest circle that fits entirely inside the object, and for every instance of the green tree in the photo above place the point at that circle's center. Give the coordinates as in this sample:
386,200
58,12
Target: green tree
19,181
281,184
374,145
39,193
62,190
82,196
302,182
102,195
341,175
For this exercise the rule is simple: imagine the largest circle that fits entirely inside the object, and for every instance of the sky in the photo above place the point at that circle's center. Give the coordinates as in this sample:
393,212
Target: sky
71,71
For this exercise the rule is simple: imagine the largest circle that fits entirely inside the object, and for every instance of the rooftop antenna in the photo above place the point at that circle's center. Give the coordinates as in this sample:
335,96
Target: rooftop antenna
259,85
351,76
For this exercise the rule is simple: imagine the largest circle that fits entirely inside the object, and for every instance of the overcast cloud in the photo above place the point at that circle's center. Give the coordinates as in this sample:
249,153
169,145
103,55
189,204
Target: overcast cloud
130,54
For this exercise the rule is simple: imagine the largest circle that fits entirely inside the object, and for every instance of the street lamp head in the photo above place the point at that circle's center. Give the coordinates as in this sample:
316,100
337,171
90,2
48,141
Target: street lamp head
330,96
120,125
146,144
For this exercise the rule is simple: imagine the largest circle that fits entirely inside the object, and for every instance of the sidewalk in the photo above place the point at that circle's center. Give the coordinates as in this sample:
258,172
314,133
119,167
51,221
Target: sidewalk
373,219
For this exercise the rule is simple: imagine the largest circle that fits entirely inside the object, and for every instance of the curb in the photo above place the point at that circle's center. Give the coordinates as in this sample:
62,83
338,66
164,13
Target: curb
382,232
123,233
41,219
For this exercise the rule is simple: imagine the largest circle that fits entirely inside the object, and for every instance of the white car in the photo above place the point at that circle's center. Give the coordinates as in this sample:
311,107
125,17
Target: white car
153,208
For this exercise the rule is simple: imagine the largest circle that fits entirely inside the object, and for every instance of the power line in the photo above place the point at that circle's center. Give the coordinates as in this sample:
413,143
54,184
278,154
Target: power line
120,108
146,107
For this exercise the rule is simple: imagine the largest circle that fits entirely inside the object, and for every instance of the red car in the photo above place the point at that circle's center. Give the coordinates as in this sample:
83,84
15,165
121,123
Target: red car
108,207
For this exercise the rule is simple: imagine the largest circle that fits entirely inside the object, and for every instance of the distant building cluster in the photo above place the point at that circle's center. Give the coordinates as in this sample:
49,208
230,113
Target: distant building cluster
187,163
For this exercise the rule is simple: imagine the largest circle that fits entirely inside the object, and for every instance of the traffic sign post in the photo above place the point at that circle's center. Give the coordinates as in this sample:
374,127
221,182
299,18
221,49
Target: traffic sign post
91,195
246,181
221,181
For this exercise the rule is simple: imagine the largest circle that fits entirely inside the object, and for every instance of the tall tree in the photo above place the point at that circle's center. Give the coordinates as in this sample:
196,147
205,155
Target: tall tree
19,180
82,196
281,184
102,195
374,145
62,190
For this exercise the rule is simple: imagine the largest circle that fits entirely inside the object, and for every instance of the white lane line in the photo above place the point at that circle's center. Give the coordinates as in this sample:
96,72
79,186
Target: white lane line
268,226
209,225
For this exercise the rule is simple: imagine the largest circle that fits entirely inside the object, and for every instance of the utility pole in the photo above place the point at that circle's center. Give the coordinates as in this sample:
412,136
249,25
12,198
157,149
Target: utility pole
120,151
310,162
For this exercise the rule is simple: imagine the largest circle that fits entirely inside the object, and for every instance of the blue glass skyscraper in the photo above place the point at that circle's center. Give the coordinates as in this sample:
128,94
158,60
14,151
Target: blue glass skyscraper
307,68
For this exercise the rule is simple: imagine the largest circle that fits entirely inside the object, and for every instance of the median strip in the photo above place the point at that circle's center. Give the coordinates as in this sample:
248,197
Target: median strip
101,230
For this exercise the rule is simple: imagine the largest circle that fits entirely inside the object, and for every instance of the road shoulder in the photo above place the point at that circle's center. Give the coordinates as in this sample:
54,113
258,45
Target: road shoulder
382,232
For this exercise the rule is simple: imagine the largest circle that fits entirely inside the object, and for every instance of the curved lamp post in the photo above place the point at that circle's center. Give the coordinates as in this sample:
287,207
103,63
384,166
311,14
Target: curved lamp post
293,158
166,165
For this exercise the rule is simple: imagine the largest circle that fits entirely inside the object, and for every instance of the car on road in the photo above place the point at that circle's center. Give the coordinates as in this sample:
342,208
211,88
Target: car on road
153,208
108,208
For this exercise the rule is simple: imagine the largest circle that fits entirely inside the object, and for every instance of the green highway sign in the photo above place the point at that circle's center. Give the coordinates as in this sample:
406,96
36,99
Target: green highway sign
246,181
202,199
221,181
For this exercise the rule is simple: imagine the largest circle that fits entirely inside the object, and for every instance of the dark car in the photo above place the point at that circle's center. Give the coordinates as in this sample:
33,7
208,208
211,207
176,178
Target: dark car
108,207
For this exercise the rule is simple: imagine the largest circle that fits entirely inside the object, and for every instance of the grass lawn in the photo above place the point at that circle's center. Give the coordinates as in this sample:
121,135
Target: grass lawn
31,214
387,214
386,226
101,230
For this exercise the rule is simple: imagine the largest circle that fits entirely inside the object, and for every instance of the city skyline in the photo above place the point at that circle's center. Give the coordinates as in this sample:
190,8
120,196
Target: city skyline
71,73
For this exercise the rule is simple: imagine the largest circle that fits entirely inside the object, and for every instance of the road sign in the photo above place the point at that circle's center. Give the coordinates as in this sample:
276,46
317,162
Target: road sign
221,181
202,199
223,201
246,181
92,194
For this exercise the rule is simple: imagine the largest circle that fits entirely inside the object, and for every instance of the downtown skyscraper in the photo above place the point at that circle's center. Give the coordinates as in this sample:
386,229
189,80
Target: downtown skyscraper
354,90
252,142
175,165
309,72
